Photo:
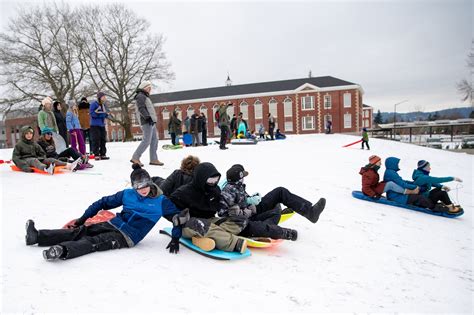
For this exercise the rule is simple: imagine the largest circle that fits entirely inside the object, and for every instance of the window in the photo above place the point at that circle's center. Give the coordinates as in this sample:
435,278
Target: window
308,122
288,126
166,114
272,108
307,102
203,110
120,135
347,100
347,121
179,114
189,111
258,110
288,108
327,101
244,109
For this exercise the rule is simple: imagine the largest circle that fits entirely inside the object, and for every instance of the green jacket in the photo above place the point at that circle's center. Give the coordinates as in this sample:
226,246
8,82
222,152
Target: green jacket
47,119
224,119
174,125
365,135
25,149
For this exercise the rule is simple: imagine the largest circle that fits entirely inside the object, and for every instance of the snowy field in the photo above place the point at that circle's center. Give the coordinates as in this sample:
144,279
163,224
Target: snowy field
359,257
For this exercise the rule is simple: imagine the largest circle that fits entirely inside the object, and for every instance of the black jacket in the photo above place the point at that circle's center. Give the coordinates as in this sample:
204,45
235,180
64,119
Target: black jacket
201,199
177,179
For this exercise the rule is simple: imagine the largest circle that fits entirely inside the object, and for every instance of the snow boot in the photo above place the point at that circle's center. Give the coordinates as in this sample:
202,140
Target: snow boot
315,211
289,234
31,236
205,243
241,245
53,253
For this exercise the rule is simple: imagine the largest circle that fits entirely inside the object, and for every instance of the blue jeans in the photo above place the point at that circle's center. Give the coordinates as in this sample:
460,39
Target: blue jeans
393,187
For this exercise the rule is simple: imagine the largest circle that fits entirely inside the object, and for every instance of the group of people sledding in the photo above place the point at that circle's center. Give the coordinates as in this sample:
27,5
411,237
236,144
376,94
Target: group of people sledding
424,191
212,213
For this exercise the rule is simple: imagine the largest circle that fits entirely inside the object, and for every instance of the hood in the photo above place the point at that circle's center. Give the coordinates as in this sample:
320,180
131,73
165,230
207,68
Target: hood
363,170
202,172
391,163
417,173
23,131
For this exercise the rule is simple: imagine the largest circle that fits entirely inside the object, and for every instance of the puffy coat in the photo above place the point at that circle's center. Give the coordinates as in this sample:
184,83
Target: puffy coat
177,179
426,182
25,149
174,125
48,147
98,113
391,165
370,182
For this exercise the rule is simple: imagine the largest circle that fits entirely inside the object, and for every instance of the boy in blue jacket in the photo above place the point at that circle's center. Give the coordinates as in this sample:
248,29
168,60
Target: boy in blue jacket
142,206
421,177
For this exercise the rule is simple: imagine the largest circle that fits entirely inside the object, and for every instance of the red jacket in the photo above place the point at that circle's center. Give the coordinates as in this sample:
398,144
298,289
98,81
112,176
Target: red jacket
370,182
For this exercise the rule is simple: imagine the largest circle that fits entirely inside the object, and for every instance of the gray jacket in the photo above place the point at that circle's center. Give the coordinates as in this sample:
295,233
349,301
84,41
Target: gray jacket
144,107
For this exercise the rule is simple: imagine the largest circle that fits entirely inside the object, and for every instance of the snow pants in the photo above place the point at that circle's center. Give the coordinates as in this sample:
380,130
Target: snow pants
69,153
282,195
438,194
84,239
420,201
98,136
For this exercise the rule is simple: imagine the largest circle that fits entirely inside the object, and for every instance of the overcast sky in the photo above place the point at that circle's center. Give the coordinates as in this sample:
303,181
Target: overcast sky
396,50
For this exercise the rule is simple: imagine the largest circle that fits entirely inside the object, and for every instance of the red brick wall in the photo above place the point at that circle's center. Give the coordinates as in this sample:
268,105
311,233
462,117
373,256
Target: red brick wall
15,125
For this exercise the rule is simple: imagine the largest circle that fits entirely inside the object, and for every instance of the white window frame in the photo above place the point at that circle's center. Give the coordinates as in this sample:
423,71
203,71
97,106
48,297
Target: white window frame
289,125
203,109
347,100
305,121
327,101
244,109
188,111
347,122
167,116
304,99
273,108
288,107
258,109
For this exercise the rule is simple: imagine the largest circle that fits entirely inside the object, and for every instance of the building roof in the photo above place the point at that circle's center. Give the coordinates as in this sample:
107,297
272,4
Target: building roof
251,88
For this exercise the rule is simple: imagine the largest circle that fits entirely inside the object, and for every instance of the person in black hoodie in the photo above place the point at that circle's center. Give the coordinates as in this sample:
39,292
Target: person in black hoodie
202,198
179,177
60,121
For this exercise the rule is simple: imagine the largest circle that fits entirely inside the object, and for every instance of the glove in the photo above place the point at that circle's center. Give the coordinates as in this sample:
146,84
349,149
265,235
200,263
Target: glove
173,245
376,196
457,179
150,121
445,188
181,218
254,200
77,223
247,213
235,211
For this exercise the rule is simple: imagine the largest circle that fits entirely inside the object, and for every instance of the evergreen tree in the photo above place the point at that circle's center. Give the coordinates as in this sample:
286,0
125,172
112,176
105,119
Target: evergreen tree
378,118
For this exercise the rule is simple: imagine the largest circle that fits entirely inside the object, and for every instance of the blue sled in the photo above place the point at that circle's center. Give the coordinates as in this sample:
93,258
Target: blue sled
215,253
385,201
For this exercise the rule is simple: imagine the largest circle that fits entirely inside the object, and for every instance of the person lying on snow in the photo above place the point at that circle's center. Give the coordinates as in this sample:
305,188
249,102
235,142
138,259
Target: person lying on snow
179,177
370,181
143,205
280,195
421,177
46,142
391,175
28,153
202,198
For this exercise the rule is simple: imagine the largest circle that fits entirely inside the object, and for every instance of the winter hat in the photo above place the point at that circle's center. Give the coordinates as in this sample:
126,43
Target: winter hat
364,129
423,165
373,159
140,177
46,100
144,84
84,99
99,95
46,130
236,173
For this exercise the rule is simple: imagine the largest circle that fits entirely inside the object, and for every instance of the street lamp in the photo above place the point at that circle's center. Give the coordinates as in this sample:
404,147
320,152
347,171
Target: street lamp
395,115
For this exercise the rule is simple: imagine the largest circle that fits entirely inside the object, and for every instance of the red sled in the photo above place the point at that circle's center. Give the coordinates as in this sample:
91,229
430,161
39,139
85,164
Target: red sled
348,145
101,216
57,170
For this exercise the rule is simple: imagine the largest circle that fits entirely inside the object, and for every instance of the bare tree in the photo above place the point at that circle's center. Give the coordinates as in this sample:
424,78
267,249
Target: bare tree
39,57
120,53
465,86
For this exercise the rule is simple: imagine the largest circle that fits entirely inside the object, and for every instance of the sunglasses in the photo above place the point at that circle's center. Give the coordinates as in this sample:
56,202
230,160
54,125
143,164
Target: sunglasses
48,134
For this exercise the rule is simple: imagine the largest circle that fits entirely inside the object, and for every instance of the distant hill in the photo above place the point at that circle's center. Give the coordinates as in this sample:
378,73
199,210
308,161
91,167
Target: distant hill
451,113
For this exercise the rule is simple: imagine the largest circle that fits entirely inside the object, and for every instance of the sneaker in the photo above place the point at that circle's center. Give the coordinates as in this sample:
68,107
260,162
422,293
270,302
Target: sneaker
241,245
205,243
74,165
103,157
31,236
289,234
53,253
50,169
313,214
133,161
156,162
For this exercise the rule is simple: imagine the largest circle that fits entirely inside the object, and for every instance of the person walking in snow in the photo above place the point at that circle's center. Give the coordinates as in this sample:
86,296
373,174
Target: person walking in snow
421,177
365,138
372,187
142,207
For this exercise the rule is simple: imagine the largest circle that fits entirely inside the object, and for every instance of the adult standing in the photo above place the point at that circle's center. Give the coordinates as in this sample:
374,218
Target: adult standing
204,129
60,121
146,112
271,125
46,117
98,113
223,124
84,120
174,127
196,128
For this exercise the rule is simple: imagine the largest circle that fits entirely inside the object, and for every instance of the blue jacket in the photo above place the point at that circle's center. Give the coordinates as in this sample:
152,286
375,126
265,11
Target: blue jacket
72,121
139,214
391,175
426,182
97,119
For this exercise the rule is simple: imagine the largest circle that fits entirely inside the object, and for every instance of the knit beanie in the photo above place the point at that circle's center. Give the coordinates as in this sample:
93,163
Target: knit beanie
99,95
423,165
46,100
144,84
140,177
373,159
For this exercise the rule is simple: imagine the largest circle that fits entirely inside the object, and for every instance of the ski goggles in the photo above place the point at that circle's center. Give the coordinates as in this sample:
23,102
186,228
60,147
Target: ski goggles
212,181
141,184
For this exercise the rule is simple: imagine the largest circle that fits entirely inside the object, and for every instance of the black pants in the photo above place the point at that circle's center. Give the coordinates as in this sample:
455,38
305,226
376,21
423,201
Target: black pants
366,143
282,195
270,132
439,195
84,239
98,139
173,138
224,132
264,224
204,137
69,153
420,201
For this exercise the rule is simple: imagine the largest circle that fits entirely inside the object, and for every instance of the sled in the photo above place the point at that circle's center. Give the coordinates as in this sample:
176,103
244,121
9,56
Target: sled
348,145
57,170
188,139
385,201
214,254
262,242
243,141
171,146
101,216
285,216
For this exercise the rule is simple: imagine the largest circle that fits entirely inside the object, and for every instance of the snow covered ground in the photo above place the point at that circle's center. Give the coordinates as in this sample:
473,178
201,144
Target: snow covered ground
359,257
